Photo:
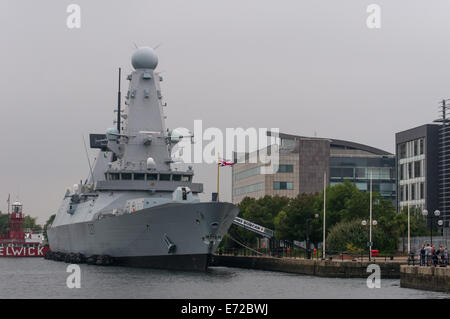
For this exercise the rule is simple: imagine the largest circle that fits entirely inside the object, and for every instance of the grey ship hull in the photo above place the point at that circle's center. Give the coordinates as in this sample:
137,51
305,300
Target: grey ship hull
143,238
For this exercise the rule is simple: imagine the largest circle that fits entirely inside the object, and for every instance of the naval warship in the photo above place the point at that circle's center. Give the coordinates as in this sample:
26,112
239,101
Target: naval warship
135,207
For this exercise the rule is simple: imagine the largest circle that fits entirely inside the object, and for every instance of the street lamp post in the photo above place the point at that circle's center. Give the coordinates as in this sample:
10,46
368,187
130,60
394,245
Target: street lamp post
308,241
370,244
436,213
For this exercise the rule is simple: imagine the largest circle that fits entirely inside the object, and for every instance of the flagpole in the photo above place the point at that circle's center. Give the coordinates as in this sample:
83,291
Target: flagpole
218,165
324,213
9,217
370,218
409,219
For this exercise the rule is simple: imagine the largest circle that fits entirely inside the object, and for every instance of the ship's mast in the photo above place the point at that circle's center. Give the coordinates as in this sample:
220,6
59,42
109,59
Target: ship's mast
9,216
141,142
118,106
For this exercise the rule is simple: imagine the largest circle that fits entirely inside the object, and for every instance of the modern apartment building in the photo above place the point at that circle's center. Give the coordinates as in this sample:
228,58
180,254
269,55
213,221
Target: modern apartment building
417,165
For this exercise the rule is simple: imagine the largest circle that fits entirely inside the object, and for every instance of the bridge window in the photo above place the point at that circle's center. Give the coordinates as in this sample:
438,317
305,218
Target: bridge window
152,177
186,178
139,176
164,177
126,176
176,178
114,176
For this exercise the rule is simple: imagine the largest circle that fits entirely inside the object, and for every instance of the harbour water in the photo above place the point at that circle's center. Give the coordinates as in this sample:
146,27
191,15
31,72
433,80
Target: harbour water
40,278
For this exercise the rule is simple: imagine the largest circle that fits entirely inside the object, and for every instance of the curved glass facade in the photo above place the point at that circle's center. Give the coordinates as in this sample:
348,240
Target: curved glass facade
358,170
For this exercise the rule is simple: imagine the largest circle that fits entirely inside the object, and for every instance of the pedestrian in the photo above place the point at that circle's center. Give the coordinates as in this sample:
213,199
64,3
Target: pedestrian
422,255
446,256
441,254
434,257
428,254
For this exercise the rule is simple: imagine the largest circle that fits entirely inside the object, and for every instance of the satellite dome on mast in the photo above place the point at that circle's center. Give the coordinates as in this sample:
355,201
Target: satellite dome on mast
144,58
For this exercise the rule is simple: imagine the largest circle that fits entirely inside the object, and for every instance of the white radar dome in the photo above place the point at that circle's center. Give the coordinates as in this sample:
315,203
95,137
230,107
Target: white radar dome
175,135
144,58
112,134
151,163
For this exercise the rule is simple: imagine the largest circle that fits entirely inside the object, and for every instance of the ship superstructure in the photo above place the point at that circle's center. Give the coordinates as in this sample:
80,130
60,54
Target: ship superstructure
135,208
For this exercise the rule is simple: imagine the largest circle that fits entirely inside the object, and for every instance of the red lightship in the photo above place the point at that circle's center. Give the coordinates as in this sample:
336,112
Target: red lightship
18,243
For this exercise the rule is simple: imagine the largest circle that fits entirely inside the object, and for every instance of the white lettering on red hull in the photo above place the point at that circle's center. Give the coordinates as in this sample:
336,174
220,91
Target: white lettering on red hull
23,251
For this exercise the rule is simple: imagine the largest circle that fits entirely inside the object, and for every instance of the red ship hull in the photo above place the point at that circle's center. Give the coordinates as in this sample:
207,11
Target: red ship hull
21,251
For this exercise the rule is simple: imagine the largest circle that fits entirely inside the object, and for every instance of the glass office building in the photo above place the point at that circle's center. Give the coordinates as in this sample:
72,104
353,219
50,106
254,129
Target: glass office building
359,170
303,162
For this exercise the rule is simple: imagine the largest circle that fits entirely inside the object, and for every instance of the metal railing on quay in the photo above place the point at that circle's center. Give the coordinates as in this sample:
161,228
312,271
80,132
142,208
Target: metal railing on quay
317,254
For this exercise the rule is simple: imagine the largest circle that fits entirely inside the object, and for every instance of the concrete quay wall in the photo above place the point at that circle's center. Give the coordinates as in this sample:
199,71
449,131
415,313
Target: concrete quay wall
425,278
321,268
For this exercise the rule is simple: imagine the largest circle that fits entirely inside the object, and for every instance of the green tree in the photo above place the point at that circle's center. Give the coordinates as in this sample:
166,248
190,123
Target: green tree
290,224
48,223
347,235
3,223
418,225
30,223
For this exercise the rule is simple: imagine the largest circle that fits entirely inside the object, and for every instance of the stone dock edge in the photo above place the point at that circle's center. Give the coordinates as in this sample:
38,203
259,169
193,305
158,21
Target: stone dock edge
320,268
425,278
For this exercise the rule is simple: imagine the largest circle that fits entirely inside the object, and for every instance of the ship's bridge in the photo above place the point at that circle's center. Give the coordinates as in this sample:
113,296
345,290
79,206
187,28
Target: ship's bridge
146,176
162,181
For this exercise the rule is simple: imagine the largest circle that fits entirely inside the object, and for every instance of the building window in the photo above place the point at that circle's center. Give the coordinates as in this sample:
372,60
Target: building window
335,172
285,168
403,150
249,189
360,172
422,191
416,148
422,151
417,172
283,185
247,173
413,191
347,172
361,186
402,171
287,143
402,193
410,174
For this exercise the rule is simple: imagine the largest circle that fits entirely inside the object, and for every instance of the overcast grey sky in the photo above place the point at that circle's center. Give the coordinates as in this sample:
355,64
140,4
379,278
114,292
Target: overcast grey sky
304,66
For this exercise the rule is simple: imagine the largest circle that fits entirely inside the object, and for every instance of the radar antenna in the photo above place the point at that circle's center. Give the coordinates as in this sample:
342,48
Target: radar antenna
118,105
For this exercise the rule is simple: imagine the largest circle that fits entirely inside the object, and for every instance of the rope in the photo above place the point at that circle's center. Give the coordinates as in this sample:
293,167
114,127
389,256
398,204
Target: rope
239,243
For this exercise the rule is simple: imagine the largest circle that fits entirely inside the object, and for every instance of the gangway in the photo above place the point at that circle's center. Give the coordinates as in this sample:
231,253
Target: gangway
258,229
